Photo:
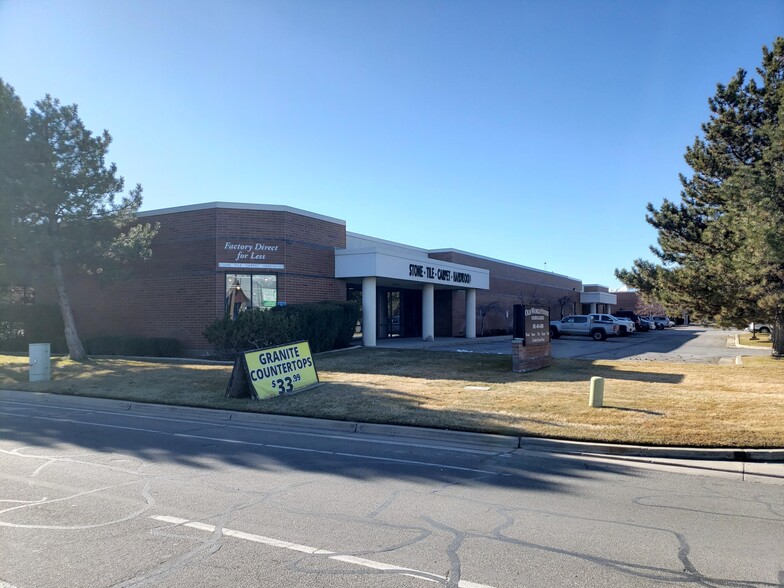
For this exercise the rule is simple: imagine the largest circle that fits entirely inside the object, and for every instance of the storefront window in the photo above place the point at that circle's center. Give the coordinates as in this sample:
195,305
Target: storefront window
245,291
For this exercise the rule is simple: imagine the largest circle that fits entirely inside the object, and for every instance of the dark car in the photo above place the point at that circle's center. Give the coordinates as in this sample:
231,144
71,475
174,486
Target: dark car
640,325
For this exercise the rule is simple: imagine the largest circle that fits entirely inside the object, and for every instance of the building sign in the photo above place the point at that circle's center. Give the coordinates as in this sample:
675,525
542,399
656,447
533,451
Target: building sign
249,255
430,272
249,252
275,371
536,325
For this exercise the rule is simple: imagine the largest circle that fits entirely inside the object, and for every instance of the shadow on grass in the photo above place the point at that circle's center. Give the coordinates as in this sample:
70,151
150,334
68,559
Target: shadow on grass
640,410
478,367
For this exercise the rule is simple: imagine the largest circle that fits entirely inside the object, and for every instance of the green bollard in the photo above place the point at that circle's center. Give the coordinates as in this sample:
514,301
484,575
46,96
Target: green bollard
596,396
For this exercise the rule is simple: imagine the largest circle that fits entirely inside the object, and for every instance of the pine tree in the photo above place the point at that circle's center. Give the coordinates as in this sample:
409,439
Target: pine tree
722,247
13,132
60,206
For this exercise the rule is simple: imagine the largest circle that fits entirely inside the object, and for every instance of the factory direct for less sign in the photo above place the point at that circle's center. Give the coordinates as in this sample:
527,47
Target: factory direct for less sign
280,370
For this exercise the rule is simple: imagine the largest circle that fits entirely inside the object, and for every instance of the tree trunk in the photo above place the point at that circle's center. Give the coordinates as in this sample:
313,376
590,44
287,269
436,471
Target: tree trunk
75,348
777,336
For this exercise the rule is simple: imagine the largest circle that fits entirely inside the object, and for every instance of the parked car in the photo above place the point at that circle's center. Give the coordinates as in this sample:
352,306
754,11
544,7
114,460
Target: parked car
640,324
760,327
646,325
583,324
625,326
662,322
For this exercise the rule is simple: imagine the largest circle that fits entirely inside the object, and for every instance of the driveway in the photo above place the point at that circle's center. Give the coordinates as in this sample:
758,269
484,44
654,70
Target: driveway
691,344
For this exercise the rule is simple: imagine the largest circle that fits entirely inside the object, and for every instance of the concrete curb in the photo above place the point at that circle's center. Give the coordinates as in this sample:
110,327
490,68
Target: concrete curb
733,454
280,420
739,346
719,454
186,411
465,437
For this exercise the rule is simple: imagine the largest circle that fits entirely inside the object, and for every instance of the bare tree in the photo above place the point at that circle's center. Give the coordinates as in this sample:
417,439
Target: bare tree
484,310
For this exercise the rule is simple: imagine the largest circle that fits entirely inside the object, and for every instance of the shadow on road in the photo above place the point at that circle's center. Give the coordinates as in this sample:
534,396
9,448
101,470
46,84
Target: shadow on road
110,435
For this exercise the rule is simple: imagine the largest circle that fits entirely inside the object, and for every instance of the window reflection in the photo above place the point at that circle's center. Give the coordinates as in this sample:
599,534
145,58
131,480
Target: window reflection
245,291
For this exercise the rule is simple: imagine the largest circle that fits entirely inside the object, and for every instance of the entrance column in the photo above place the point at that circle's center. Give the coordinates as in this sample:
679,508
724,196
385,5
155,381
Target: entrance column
428,312
369,312
470,313
593,308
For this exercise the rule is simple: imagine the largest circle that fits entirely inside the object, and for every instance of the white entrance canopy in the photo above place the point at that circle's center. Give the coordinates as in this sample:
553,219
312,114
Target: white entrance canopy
398,266
595,298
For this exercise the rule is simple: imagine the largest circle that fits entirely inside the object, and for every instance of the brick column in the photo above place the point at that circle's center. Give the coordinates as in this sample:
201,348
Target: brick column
527,358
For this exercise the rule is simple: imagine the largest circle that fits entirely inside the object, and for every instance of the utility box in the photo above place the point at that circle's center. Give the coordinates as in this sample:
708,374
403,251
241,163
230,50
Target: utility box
40,362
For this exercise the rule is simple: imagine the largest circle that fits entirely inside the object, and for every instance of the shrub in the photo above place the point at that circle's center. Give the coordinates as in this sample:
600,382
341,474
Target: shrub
22,324
325,325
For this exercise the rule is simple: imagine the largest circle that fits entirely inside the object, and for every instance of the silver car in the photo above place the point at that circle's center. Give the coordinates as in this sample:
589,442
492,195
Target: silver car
760,328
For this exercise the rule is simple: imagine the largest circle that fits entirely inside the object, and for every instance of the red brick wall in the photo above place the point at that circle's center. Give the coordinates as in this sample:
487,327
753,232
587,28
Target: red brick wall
181,290
626,301
509,285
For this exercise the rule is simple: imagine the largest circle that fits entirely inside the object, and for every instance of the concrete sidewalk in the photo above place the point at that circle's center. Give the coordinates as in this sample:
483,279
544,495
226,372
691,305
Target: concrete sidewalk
765,465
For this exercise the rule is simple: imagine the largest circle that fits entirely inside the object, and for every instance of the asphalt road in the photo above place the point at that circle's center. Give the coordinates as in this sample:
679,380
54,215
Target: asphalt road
685,344
92,495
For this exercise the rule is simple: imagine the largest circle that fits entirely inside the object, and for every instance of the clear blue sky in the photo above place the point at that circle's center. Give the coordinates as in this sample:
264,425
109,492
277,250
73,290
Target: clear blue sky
533,132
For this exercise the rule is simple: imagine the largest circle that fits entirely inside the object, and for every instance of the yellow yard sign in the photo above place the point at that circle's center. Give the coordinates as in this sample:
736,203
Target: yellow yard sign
280,370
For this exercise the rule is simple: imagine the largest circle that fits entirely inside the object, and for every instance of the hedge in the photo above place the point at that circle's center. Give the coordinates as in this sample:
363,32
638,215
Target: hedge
325,325
22,324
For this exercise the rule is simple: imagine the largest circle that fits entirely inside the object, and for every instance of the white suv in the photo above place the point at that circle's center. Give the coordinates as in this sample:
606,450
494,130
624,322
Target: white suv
625,326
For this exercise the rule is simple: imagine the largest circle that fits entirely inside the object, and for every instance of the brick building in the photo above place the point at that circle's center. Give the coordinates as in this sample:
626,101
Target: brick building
209,259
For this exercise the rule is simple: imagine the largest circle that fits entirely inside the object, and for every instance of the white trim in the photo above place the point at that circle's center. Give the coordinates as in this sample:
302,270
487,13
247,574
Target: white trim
251,265
240,206
394,265
598,297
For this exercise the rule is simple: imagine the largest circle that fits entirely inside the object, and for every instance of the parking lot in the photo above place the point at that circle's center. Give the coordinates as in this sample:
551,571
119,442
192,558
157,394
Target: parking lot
694,344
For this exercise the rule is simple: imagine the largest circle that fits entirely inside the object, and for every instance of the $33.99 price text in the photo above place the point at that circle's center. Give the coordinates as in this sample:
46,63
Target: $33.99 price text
285,384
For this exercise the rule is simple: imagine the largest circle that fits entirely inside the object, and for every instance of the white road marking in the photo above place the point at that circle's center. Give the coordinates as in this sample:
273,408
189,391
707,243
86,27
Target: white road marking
359,561
145,492
129,413
269,445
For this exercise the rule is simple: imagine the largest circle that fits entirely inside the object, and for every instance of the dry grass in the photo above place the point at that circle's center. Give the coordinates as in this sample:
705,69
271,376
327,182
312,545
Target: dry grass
645,402
762,340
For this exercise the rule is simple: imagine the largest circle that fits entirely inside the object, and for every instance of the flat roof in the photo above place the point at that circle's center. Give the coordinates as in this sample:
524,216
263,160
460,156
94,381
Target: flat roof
533,269
307,213
460,251
241,206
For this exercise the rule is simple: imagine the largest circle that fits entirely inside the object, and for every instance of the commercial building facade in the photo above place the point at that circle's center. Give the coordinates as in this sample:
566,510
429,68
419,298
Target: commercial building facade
214,258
